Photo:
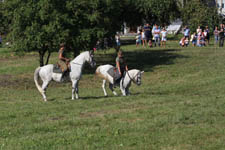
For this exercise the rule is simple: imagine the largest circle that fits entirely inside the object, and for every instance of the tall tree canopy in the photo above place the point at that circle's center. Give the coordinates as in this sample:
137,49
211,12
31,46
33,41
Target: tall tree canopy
41,25
198,13
159,11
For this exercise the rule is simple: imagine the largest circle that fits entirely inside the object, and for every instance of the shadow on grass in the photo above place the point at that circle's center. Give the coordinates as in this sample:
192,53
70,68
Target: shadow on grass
100,97
141,59
88,97
146,60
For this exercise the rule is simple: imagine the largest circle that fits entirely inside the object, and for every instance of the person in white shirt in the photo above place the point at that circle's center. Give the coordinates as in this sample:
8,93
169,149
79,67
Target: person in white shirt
143,37
163,40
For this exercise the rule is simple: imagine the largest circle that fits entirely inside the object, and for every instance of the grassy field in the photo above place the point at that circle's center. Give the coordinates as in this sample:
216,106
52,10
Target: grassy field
179,106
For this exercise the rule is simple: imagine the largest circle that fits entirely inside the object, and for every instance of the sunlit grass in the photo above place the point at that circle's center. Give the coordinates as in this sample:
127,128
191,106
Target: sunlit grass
180,104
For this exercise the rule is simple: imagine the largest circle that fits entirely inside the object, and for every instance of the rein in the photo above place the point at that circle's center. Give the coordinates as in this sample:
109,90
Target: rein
131,78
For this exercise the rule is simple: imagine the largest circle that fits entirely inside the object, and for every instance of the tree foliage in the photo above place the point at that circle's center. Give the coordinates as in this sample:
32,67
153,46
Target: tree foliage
198,13
41,25
158,11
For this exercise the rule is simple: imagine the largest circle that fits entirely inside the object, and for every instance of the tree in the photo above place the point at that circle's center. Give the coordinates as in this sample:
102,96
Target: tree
42,25
198,13
36,26
91,21
158,11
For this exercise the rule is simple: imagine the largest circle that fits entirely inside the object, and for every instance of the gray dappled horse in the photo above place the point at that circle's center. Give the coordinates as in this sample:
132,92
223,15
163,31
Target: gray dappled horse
46,73
110,73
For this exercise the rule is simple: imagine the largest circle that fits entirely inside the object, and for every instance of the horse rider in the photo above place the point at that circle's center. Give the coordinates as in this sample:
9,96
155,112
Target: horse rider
63,62
120,65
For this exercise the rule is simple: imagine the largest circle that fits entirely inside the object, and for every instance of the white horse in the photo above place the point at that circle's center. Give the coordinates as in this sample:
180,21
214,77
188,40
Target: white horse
110,73
46,73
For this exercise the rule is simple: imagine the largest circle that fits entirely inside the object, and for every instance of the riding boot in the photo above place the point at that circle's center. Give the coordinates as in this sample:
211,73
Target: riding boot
63,75
117,82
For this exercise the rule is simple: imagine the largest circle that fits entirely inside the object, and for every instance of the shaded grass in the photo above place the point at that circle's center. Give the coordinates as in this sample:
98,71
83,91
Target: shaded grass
180,104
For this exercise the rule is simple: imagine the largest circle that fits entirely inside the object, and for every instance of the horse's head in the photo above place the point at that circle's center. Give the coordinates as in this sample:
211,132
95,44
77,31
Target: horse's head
137,77
90,59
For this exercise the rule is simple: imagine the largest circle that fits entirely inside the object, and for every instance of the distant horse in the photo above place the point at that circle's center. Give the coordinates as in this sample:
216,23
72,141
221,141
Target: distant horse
110,73
46,73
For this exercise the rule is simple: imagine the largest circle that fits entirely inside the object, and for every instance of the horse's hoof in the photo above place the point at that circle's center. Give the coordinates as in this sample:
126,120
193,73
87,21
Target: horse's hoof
115,93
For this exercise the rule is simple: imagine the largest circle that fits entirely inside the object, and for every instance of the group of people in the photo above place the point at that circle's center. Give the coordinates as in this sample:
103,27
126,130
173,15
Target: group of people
148,34
201,37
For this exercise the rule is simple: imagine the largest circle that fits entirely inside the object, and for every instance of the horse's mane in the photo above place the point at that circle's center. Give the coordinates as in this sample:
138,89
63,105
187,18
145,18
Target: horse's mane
82,53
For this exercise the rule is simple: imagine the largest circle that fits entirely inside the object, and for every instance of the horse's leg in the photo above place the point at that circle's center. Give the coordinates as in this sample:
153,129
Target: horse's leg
103,87
44,87
111,88
110,78
127,91
122,88
75,89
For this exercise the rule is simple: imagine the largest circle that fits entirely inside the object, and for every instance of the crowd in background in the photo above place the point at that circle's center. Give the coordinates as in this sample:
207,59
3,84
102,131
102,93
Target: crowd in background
147,35
201,37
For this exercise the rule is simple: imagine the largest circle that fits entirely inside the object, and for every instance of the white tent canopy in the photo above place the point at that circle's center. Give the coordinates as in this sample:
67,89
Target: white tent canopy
174,27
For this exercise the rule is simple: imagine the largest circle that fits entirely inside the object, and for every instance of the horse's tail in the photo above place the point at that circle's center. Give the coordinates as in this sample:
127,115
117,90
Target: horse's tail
36,75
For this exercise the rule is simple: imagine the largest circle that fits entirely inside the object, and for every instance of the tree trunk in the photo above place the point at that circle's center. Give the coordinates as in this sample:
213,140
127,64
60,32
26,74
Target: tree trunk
47,60
41,57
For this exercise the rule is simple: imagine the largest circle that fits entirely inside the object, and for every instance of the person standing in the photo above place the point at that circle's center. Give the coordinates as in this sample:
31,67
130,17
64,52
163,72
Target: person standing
221,37
143,37
198,29
216,36
164,34
117,38
193,39
186,32
148,35
138,39
157,35
207,38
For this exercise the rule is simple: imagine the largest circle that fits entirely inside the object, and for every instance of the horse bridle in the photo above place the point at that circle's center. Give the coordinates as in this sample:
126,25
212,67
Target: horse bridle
136,82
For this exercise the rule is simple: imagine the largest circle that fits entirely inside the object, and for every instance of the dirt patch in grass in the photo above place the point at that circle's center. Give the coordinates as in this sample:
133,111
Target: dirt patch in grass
10,81
5,80
23,82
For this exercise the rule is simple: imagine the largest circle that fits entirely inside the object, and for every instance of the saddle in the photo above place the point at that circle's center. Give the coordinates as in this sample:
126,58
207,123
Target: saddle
57,69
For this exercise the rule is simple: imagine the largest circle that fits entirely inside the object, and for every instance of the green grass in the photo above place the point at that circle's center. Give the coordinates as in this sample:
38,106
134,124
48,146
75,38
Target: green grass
180,104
